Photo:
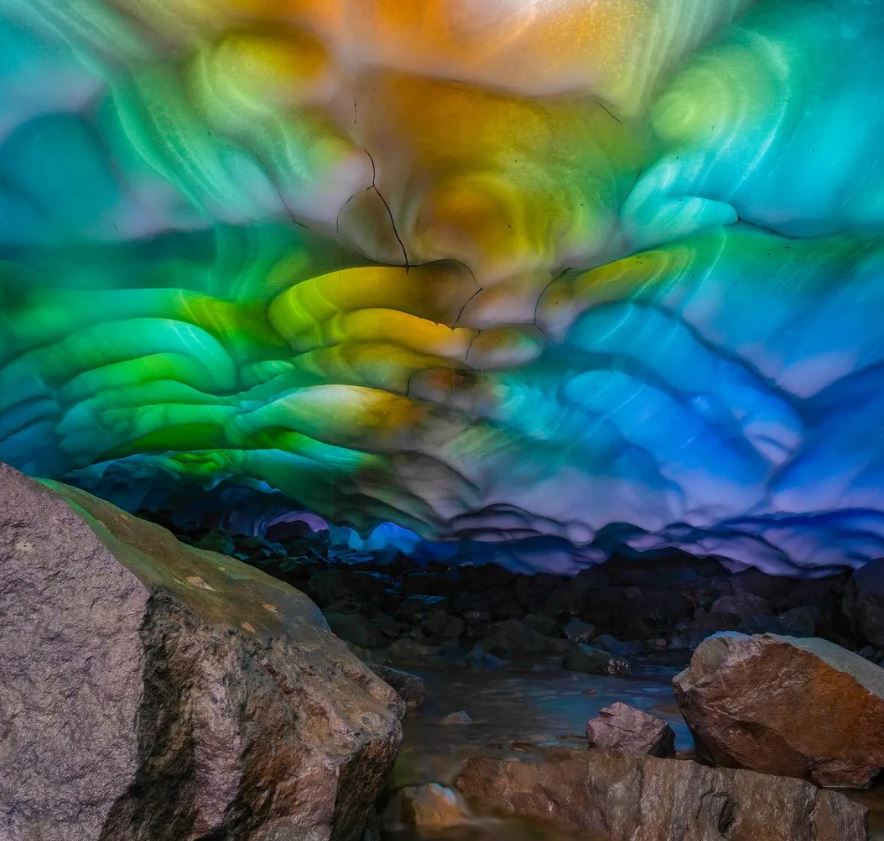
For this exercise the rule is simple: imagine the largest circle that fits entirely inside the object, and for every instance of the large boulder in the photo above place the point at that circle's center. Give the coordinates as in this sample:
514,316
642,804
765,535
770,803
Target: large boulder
784,705
151,690
613,796
864,602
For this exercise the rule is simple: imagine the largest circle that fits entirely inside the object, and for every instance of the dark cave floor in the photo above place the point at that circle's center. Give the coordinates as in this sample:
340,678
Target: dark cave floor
530,658
661,604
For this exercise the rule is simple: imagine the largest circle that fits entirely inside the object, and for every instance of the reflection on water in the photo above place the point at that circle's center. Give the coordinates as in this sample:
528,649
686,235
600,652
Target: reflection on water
517,713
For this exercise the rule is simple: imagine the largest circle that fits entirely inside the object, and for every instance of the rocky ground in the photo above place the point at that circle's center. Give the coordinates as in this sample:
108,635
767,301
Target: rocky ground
155,690
501,672
659,605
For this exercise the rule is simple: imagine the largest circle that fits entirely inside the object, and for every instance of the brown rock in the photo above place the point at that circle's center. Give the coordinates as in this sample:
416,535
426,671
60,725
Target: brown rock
427,808
519,639
411,688
151,690
613,796
625,728
783,705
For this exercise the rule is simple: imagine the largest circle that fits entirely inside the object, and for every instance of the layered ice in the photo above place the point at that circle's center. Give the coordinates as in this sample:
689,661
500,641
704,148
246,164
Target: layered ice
495,270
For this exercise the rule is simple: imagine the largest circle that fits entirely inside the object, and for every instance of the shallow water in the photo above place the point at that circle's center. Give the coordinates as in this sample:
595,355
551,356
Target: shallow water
520,712
517,713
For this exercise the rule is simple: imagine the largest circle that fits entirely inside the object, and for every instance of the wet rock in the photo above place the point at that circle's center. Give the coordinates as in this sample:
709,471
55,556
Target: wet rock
655,610
476,616
577,630
771,588
532,591
344,590
331,587
864,602
800,621
426,808
442,627
459,719
406,649
216,541
477,626
614,796
356,628
565,600
518,639
255,549
626,728
595,661
411,688
545,625
743,605
479,657
468,602
417,607
825,598
388,626
704,624
153,690
783,705
610,610
620,648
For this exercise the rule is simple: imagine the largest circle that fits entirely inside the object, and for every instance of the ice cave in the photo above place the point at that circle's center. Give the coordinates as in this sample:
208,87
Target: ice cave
524,356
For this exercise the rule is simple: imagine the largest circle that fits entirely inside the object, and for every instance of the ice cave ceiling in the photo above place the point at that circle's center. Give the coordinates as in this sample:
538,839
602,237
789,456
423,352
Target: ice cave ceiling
482,268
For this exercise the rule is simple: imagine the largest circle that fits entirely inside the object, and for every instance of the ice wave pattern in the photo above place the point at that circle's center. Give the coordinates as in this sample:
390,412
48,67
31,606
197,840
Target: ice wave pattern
487,269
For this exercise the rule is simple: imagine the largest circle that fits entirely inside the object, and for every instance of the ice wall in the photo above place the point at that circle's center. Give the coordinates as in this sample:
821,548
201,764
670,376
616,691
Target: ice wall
487,269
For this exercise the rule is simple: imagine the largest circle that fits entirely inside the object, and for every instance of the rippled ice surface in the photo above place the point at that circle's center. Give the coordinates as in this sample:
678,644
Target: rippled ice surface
517,713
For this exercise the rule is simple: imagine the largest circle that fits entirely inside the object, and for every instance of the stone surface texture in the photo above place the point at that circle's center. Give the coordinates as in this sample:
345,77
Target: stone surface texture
150,691
614,796
411,688
626,728
785,705
427,808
